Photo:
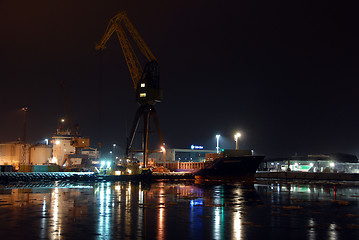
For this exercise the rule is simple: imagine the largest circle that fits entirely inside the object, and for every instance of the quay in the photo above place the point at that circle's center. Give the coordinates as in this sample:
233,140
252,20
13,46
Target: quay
308,176
6,177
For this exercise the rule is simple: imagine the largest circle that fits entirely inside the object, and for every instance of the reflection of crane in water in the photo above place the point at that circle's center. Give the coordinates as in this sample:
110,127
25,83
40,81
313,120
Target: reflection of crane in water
146,82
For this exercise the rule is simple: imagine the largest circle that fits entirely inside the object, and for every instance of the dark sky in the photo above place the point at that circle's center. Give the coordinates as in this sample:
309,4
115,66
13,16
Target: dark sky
284,74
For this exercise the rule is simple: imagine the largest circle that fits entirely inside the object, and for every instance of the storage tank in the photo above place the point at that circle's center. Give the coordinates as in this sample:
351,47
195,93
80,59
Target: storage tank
40,154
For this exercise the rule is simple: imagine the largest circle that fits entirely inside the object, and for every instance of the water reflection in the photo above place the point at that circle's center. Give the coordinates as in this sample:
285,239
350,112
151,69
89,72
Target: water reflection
55,220
165,210
104,214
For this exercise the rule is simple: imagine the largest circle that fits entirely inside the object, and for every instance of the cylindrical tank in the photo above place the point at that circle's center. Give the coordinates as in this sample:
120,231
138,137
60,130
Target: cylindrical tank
40,154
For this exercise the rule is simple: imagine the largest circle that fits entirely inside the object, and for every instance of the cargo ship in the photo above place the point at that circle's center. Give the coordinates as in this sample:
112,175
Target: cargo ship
231,164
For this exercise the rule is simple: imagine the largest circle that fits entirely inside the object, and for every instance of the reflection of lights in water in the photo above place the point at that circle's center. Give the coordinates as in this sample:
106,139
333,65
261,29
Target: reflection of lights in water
218,213
128,193
332,232
311,232
118,189
56,229
140,194
237,218
161,215
217,223
196,202
237,222
161,223
104,211
127,212
43,219
140,209
195,215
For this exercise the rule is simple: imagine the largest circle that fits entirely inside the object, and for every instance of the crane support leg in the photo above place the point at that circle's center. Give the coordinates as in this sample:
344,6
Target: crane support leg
138,114
145,111
146,132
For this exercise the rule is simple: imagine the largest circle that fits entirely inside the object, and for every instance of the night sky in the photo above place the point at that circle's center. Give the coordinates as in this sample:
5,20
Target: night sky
283,74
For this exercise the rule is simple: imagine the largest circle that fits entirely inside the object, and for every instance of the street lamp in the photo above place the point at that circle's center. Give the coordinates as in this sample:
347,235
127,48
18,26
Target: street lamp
24,109
23,160
114,152
164,156
217,136
236,136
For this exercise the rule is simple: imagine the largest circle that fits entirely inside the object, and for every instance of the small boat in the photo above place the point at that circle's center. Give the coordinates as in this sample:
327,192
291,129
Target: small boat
231,164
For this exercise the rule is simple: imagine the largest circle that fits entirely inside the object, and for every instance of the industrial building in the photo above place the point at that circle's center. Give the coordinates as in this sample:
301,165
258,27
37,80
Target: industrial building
18,153
337,162
180,155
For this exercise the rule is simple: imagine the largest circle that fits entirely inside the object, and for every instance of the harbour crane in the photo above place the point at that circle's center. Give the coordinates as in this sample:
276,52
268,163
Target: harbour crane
72,132
145,80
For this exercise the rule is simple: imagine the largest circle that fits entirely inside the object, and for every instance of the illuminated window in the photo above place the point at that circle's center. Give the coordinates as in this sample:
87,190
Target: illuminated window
143,84
142,94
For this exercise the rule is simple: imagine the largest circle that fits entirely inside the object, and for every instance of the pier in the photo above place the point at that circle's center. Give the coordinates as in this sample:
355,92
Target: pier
308,176
6,177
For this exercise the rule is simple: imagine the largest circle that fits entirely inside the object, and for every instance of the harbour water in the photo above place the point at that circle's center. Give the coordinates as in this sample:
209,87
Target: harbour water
180,210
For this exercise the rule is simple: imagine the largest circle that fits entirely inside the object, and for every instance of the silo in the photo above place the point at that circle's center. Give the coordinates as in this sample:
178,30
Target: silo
40,154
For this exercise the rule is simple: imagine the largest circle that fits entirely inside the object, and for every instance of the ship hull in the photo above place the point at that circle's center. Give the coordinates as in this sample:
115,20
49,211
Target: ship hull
242,167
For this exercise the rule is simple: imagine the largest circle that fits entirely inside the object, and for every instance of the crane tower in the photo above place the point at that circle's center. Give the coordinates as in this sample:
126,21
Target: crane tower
145,80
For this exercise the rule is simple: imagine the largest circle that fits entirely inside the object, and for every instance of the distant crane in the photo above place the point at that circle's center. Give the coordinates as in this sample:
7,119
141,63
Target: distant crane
73,132
146,82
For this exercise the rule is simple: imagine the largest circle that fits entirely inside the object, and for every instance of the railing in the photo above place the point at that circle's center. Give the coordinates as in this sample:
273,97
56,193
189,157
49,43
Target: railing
172,166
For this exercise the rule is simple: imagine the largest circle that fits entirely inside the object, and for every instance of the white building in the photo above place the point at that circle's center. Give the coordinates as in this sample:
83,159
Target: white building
61,147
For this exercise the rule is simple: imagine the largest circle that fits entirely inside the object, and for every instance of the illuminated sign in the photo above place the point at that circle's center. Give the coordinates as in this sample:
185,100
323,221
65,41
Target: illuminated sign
196,147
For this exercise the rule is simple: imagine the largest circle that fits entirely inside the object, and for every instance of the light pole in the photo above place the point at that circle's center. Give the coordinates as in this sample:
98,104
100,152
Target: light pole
217,136
114,152
236,136
111,156
164,156
24,109
23,160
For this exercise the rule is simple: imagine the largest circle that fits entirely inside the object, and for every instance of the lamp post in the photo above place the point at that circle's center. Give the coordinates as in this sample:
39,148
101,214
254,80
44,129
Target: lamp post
24,109
236,136
23,160
217,148
164,156
114,152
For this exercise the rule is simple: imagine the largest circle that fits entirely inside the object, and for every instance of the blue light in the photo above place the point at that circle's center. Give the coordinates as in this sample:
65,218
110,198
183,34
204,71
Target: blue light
196,147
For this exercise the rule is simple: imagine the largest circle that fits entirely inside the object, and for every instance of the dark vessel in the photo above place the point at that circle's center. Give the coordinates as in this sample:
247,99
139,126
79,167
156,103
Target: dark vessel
236,164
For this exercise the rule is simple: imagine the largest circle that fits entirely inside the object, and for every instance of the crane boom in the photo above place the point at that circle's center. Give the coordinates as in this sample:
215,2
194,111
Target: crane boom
132,61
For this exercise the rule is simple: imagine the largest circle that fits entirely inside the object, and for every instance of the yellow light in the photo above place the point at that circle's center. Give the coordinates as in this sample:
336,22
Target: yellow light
238,135
142,94
143,84
57,142
163,148
117,173
129,171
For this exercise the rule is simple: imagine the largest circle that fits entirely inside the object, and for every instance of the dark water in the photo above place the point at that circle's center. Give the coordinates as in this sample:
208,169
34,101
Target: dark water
167,210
